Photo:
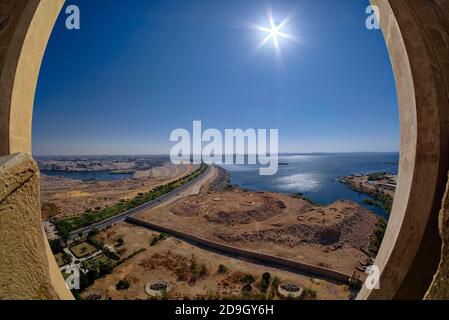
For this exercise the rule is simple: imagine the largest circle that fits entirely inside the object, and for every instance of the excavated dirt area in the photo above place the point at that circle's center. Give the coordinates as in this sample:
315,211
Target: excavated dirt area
191,272
334,236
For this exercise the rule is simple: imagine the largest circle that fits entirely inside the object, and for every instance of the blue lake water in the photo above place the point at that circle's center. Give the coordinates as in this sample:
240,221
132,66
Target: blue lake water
90,175
316,176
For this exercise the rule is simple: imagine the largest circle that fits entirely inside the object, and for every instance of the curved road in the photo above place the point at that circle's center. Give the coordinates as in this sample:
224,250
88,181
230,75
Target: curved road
135,211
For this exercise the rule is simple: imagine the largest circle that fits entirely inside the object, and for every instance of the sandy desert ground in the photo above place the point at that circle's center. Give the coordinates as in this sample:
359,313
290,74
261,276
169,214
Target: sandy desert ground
170,261
62,197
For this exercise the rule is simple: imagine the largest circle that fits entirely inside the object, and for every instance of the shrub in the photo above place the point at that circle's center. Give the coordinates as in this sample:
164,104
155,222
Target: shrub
93,232
376,239
248,279
266,276
95,242
164,294
299,195
308,294
247,288
163,236
193,278
92,275
193,264
84,281
274,287
276,282
203,270
122,285
105,268
154,241
265,282
67,258
111,254
222,269
120,242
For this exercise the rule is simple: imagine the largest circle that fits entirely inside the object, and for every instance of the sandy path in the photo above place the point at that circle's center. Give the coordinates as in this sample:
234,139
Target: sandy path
193,190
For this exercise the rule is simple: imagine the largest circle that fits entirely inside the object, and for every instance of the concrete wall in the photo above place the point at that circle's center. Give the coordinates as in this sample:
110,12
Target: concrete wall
295,265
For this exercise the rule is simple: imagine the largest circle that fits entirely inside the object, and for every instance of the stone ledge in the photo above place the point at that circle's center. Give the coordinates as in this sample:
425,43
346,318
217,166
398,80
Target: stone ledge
27,267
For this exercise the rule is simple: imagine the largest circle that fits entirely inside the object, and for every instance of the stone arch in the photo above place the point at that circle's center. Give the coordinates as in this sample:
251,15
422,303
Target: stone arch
417,36
29,271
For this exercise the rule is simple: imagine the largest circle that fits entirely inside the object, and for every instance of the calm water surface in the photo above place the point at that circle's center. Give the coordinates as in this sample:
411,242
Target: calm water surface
316,176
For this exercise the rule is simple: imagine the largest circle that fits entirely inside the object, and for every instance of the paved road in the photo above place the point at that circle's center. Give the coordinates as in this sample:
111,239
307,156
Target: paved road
130,213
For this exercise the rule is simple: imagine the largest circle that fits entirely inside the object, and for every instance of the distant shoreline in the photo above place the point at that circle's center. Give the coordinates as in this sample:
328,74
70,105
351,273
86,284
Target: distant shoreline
282,154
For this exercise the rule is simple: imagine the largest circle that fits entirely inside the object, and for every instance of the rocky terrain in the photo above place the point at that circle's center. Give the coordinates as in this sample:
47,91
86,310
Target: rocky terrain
353,227
335,236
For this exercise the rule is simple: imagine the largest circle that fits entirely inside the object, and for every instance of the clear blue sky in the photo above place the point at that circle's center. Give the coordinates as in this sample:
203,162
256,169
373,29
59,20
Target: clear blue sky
139,69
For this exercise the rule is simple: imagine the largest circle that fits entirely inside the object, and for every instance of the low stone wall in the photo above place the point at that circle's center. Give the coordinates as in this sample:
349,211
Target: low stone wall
295,265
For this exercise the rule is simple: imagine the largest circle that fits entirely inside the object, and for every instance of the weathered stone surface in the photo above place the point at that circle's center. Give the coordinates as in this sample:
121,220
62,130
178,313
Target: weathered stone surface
416,35
27,267
439,290
24,265
15,170
25,27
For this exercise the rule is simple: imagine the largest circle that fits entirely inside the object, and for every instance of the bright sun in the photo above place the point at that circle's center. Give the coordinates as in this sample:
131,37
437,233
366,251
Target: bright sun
274,32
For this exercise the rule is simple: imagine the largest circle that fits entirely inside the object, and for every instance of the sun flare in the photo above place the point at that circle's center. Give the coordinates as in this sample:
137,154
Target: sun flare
274,32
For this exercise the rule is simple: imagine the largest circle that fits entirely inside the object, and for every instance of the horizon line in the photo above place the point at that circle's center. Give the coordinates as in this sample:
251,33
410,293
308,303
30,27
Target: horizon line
167,154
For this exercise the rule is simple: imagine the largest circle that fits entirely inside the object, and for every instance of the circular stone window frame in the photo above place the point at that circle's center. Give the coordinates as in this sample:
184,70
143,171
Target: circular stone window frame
416,34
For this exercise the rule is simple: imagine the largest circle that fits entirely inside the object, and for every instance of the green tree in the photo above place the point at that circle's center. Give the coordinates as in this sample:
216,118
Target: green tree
84,281
248,279
105,268
92,275
67,258
122,285
265,282
56,246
